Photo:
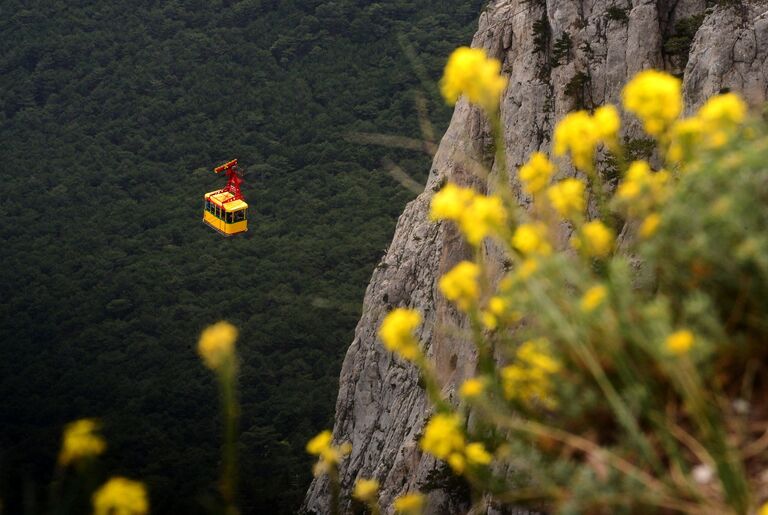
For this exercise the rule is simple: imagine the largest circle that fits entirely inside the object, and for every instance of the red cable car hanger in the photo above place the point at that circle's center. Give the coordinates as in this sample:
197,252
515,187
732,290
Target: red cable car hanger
234,179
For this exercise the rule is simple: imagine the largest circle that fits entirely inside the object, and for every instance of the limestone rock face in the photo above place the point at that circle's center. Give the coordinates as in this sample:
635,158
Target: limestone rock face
381,407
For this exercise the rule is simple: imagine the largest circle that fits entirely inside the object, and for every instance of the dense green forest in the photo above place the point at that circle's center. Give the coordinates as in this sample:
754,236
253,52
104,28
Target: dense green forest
112,115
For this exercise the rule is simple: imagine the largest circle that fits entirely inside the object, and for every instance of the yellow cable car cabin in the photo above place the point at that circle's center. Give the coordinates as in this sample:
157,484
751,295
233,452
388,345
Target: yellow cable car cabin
224,214
224,209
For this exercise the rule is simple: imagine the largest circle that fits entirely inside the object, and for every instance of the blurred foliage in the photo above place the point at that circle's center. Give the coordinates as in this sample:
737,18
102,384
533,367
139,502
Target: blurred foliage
622,371
678,45
113,115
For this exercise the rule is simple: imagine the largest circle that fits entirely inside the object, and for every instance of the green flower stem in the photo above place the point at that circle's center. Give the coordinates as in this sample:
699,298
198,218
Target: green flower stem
548,308
374,507
333,476
730,468
230,411
665,497
500,160
598,189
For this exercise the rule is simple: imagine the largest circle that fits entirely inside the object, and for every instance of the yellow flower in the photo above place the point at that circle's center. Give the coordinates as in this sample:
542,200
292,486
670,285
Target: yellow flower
410,504
477,215
495,310
595,239
592,298
320,443
120,496
477,454
637,177
527,268
684,139
650,225
607,125
578,134
489,320
656,98
482,216
679,342
471,72
460,284
450,202
396,332
567,197
531,239
643,189
497,305
719,116
217,344
443,436
529,378
727,108
763,509
330,457
536,173
472,388
535,353
80,441
366,490
457,461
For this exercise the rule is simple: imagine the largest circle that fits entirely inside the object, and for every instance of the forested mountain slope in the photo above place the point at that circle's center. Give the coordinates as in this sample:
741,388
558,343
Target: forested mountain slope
112,115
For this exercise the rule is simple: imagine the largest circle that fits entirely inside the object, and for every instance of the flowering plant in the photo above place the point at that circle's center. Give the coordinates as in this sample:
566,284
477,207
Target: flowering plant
620,371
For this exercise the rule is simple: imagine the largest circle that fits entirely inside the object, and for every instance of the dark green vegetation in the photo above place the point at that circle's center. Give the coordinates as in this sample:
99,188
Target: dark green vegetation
561,51
678,46
617,14
112,115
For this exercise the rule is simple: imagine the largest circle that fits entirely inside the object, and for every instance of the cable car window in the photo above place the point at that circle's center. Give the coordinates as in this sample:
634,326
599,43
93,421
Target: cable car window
239,215
229,218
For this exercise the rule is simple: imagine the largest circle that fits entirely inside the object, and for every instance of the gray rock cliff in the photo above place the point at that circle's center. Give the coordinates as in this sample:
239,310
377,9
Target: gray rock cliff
381,407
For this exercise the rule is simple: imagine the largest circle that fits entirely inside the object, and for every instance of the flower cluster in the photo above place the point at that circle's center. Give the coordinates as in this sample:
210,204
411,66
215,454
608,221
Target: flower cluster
366,490
679,342
80,441
536,173
217,345
531,239
121,496
460,285
656,98
642,189
409,504
594,239
476,215
642,193
593,298
711,127
497,309
567,197
579,134
472,388
471,72
529,379
330,455
397,330
444,439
